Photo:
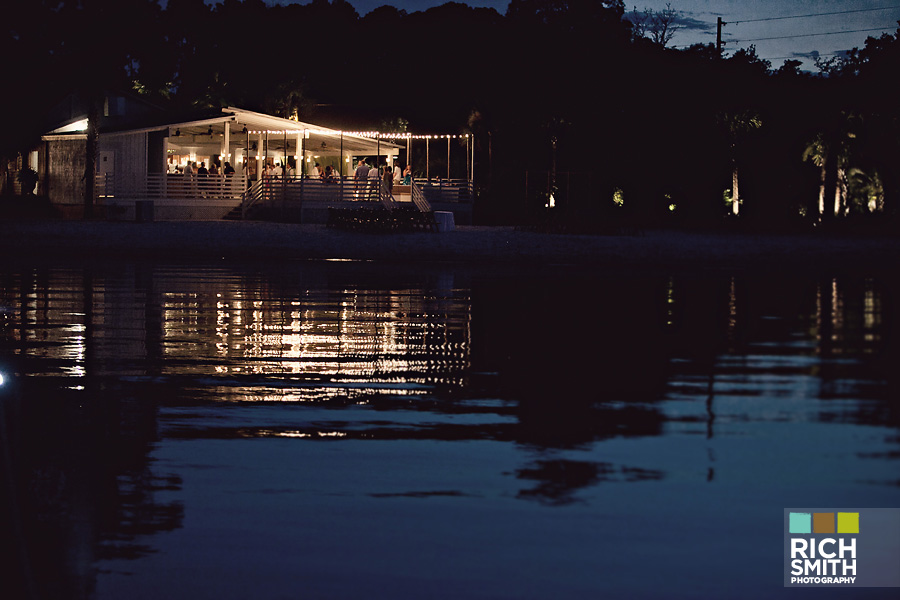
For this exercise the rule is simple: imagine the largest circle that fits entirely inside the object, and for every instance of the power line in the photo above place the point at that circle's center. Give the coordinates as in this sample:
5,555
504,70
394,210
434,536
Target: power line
800,58
840,12
787,37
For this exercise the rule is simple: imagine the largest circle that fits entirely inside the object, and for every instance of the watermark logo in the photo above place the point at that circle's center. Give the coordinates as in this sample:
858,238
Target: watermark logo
838,548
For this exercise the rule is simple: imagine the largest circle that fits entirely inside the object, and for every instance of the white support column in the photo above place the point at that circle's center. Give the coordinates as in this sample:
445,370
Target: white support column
165,179
226,153
298,155
303,167
259,149
166,151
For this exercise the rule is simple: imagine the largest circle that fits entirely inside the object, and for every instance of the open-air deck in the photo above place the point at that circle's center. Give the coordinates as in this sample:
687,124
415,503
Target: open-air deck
275,170
287,198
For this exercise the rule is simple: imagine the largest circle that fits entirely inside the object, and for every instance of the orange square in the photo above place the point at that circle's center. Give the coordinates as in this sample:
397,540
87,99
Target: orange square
823,522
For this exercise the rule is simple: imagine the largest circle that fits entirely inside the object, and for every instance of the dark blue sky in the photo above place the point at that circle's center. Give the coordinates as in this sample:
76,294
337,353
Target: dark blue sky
749,22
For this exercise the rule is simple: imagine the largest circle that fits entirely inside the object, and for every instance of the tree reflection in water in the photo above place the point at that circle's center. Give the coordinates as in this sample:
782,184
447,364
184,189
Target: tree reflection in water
83,485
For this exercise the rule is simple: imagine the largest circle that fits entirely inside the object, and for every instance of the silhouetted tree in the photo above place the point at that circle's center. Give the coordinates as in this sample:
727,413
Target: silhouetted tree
658,26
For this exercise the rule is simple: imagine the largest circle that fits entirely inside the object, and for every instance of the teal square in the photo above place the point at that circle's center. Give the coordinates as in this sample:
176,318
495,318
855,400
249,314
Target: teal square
800,523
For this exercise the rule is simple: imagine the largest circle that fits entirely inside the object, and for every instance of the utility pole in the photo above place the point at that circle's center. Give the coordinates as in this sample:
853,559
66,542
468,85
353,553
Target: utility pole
719,24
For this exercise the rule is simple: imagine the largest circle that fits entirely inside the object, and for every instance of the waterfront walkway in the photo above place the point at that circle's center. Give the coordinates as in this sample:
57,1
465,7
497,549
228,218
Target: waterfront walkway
205,240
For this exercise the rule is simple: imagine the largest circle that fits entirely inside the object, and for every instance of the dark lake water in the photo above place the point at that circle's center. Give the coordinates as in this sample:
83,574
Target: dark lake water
350,430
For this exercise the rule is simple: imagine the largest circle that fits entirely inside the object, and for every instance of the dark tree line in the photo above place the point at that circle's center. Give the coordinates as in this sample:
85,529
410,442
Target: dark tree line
550,86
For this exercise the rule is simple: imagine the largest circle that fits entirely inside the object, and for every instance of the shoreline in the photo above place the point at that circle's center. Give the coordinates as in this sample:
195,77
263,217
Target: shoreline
467,245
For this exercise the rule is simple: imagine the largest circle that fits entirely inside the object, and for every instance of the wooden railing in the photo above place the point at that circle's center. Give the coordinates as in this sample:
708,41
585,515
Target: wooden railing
418,198
295,191
384,194
251,198
446,190
162,185
281,196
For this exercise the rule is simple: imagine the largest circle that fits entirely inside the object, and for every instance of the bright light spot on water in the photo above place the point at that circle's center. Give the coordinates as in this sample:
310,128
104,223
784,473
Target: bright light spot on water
300,434
2,381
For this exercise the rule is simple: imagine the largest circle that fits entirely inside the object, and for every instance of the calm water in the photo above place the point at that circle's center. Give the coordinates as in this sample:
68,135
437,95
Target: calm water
345,430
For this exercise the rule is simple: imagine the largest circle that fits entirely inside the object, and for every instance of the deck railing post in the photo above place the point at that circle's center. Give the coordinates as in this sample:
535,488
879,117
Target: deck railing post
302,192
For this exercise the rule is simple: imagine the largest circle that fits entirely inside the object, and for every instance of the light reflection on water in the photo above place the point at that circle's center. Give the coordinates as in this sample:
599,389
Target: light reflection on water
539,433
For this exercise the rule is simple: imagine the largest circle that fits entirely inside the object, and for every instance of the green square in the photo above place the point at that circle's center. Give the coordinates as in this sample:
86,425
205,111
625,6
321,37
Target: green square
848,522
800,523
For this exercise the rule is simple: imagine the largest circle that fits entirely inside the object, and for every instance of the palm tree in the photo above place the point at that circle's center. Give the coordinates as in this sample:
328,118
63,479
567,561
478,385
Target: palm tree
831,152
866,189
817,153
737,125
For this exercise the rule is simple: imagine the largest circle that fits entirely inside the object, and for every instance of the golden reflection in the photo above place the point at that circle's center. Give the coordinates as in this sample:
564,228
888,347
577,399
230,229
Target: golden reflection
837,313
347,391
222,325
402,335
47,318
846,315
732,308
817,334
298,434
670,301
871,312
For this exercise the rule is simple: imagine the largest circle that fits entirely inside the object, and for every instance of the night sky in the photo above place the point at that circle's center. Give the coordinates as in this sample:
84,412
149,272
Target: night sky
698,23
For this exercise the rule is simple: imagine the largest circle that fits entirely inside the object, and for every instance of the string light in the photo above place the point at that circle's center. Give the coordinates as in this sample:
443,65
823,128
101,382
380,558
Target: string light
366,134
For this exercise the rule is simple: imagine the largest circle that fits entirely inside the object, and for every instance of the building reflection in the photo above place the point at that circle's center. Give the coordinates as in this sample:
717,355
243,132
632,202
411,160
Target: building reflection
240,332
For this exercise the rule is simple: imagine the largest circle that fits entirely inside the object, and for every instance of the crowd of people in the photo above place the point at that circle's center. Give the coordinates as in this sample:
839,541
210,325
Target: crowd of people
387,173
275,170
192,168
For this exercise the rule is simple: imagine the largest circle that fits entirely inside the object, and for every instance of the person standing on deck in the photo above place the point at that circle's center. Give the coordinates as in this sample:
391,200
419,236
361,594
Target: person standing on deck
228,172
202,174
189,179
388,178
362,172
268,174
374,177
